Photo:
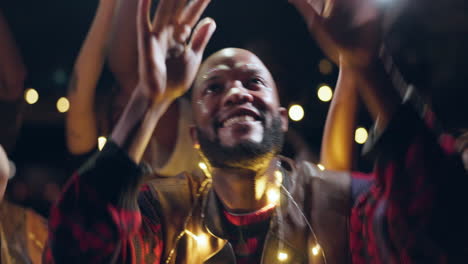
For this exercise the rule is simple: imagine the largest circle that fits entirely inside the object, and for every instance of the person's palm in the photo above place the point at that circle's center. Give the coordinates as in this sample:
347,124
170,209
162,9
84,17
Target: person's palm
346,30
168,60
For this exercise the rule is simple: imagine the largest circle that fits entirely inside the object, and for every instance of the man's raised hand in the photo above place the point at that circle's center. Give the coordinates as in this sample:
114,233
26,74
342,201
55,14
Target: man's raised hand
168,57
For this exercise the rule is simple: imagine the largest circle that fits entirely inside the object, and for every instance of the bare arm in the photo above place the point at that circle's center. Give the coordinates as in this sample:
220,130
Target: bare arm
337,141
81,124
114,179
352,43
354,30
159,85
123,62
123,56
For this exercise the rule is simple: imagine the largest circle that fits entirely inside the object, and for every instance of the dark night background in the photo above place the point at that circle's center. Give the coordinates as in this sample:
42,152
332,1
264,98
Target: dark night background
429,42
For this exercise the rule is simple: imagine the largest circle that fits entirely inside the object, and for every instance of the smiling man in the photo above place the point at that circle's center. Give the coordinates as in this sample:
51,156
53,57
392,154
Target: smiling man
247,204
239,120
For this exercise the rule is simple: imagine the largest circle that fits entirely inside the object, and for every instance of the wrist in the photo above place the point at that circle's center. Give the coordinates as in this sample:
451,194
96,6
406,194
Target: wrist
138,121
365,66
132,115
154,104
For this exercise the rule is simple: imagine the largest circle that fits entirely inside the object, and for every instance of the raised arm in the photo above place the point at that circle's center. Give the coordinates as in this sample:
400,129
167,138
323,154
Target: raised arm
123,62
412,213
351,42
337,142
81,122
353,31
166,68
123,54
99,206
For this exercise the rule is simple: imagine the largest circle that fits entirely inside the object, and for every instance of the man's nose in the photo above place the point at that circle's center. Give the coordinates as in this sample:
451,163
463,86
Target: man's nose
237,94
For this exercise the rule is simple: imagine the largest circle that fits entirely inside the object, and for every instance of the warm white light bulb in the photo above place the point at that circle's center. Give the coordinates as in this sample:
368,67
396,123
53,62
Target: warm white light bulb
31,96
202,166
282,256
361,135
63,105
101,142
316,250
325,93
296,113
321,167
273,195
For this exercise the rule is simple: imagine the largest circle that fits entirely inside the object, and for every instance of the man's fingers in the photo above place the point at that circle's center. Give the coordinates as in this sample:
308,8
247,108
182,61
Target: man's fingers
164,12
182,33
178,10
193,12
202,35
168,11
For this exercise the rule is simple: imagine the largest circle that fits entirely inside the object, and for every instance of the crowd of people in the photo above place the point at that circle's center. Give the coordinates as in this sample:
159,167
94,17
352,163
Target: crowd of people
192,170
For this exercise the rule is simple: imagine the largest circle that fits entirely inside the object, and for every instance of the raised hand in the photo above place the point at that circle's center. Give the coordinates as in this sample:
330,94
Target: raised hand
168,59
348,31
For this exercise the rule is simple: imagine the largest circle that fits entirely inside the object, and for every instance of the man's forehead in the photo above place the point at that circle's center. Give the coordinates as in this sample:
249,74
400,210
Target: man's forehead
231,59
238,66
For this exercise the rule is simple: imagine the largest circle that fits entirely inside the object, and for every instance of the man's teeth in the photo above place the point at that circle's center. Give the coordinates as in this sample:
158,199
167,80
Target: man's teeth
238,119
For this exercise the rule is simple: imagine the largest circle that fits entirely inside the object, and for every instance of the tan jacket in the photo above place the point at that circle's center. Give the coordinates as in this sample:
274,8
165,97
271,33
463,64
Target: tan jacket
193,231
23,234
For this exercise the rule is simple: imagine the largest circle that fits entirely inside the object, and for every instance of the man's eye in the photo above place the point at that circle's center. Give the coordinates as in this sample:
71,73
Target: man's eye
257,81
214,88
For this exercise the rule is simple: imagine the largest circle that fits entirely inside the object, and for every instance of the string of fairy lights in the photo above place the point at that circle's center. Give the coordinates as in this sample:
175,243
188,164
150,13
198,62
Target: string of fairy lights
296,113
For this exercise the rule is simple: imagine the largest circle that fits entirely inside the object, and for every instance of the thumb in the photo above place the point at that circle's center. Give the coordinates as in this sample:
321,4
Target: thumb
202,35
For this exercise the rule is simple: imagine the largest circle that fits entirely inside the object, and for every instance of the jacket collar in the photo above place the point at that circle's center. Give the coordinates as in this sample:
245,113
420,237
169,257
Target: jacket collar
282,236
212,210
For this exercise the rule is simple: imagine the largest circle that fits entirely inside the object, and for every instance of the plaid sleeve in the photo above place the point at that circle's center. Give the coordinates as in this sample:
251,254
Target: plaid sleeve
97,219
414,213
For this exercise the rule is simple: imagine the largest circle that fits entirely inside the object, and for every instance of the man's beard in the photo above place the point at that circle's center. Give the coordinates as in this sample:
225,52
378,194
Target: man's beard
246,154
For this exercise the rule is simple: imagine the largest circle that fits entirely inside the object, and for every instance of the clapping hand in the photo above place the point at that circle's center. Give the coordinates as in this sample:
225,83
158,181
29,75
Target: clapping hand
169,55
348,31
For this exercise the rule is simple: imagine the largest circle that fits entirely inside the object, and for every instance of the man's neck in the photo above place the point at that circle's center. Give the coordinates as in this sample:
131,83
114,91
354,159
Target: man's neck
242,190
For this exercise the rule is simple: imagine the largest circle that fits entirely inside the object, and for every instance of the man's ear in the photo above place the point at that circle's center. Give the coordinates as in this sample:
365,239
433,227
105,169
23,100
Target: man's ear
194,136
284,119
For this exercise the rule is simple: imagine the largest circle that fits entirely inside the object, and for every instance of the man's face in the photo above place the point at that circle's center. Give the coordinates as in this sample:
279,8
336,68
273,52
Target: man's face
236,109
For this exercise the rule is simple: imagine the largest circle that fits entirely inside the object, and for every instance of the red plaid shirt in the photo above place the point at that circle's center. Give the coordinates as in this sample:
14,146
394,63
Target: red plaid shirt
412,212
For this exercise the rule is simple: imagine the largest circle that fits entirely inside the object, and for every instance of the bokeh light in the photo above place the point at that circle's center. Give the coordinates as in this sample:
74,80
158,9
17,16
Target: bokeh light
101,142
282,256
325,67
63,105
325,93
361,135
321,167
31,96
316,250
296,113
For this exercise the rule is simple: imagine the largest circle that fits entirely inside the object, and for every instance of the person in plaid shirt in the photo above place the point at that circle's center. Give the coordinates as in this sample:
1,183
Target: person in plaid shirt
247,204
